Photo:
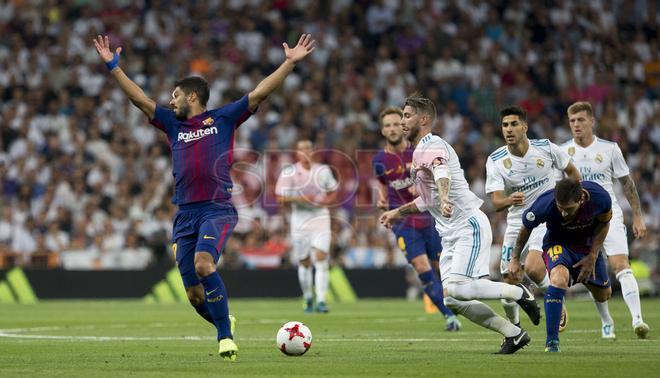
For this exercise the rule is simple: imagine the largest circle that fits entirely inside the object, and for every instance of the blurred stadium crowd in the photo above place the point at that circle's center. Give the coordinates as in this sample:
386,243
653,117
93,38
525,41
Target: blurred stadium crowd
86,181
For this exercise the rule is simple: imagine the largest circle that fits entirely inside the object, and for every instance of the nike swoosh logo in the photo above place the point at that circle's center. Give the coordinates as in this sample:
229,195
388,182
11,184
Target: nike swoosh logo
389,171
211,292
516,341
208,237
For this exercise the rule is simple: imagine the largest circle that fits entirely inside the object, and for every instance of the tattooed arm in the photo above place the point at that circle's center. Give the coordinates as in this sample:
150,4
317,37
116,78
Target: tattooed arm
630,191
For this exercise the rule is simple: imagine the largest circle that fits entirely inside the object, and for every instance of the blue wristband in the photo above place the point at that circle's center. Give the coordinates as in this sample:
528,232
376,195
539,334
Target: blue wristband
113,63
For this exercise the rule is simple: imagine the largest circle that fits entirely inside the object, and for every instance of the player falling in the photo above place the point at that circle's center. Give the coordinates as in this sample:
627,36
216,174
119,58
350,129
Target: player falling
516,175
601,161
577,217
202,142
416,234
309,188
465,230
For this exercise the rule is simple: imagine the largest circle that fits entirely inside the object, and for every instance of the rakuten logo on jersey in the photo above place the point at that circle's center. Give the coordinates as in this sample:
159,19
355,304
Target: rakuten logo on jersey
198,134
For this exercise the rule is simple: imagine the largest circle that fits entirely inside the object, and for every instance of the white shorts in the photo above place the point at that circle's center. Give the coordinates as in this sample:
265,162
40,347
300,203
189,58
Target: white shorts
313,234
466,250
535,243
616,241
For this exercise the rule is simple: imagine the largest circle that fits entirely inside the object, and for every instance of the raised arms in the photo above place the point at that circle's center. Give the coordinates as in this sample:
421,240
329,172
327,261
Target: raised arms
134,93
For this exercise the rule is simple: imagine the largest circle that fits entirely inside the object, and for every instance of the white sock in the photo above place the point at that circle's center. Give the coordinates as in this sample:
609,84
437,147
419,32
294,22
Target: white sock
543,285
305,279
511,309
604,311
483,289
479,313
630,292
321,279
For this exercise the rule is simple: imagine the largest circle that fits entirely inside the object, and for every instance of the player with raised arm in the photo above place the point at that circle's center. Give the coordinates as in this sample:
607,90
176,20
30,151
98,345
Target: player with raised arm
416,235
602,161
309,188
465,230
201,141
577,217
516,175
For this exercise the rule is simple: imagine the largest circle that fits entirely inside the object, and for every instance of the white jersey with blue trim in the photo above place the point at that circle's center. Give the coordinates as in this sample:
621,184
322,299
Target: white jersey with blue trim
433,159
532,174
601,162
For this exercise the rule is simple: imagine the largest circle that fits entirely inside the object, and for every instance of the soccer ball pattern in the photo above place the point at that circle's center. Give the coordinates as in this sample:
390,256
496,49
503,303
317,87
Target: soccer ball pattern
294,339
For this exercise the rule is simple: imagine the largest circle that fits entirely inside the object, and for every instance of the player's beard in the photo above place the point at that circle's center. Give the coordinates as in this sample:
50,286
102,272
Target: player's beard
182,112
413,132
395,142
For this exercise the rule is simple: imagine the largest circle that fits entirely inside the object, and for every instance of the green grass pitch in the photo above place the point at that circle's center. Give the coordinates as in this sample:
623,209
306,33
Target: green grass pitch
370,338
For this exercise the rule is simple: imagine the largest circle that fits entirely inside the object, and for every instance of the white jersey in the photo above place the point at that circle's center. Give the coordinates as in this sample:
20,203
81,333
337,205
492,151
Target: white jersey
601,162
532,174
433,159
296,180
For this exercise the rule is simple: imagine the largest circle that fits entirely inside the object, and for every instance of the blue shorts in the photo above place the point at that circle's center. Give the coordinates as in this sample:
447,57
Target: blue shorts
418,241
201,227
559,254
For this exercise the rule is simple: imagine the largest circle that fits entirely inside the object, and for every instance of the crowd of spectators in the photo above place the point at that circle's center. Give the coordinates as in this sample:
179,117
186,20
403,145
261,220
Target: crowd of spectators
82,173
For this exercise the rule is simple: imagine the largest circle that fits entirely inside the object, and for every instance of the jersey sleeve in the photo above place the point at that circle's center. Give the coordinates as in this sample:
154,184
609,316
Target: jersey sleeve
560,159
494,180
436,156
619,166
327,182
284,185
236,112
164,120
378,166
537,213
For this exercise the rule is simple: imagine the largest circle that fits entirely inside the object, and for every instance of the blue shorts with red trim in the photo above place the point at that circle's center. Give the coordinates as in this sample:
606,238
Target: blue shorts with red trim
201,227
414,242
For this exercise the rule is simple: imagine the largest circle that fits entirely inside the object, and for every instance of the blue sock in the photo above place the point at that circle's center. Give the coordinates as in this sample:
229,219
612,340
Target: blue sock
203,311
216,301
554,298
433,288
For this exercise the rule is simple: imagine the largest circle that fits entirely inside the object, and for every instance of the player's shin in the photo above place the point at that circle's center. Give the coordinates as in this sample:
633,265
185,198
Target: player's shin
433,288
203,311
512,310
554,298
305,278
630,291
321,279
479,313
216,300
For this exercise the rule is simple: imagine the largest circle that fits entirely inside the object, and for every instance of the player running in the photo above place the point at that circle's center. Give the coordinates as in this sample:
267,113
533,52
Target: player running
309,188
416,235
601,161
577,218
465,230
202,142
516,175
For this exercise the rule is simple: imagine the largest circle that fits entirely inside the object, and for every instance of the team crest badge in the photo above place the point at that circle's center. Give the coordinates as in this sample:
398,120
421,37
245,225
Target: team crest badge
540,163
599,158
571,151
530,216
208,121
507,163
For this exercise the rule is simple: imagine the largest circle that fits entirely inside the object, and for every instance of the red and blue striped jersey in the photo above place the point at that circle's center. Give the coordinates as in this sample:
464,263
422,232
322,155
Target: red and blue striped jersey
202,150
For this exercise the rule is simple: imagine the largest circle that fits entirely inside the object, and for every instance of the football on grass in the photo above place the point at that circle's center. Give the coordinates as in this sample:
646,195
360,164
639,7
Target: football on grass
294,339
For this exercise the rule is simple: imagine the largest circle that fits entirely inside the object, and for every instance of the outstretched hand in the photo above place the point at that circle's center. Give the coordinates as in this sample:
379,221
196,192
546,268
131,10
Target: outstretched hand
298,52
102,44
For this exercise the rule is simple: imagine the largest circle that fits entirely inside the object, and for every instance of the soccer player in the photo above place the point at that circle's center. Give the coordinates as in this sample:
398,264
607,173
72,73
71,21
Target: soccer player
465,230
577,217
516,175
309,188
601,161
416,235
202,141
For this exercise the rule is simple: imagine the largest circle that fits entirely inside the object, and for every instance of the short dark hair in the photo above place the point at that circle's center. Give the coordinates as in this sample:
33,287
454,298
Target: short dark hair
197,85
568,190
389,110
514,110
421,105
